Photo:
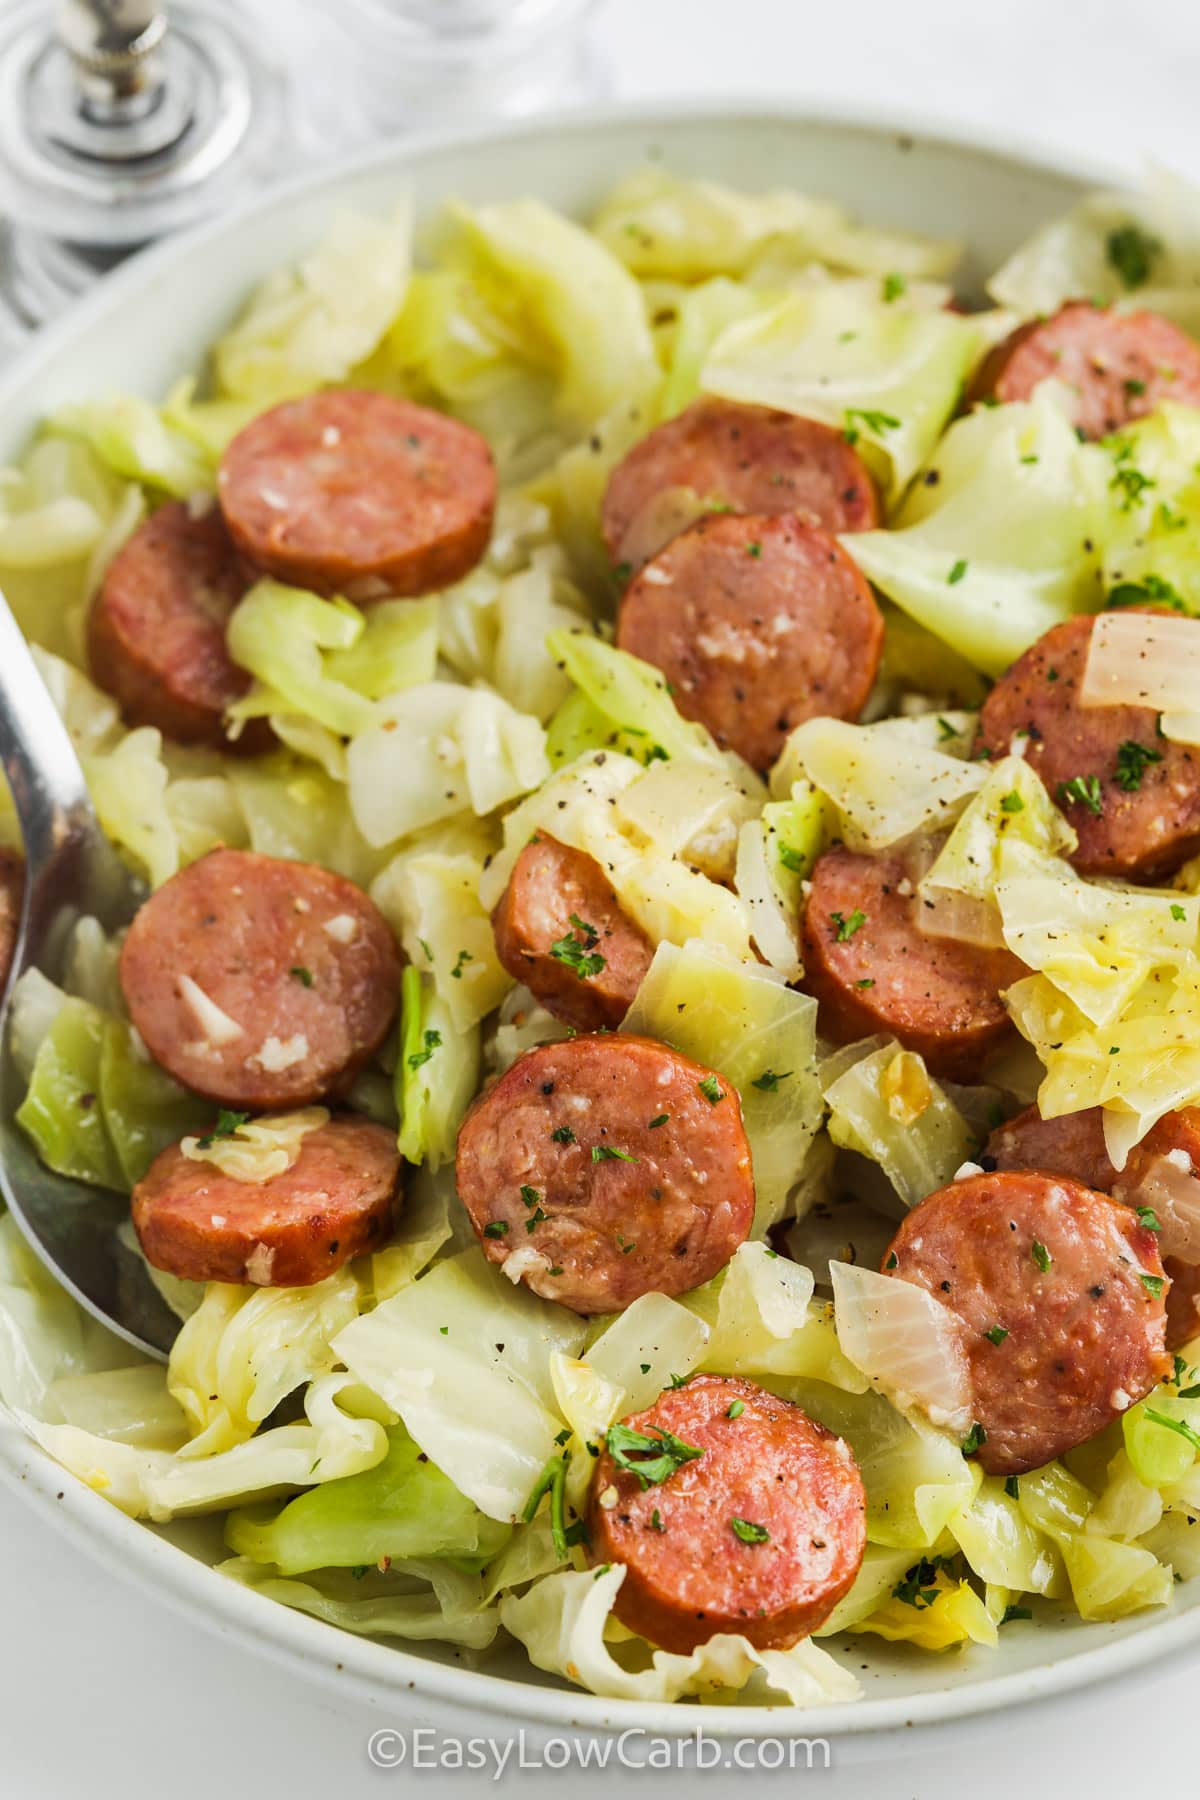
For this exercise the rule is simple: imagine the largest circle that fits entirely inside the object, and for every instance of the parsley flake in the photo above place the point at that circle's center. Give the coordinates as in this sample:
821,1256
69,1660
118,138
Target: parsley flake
846,928
748,1532
1041,1256
303,976
1084,790
1131,252
564,1135
577,950
1149,1218
1012,803
433,1041
610,1153
651,1459
227,1125
1132,761
712,1090
869,419
768,1081
956,574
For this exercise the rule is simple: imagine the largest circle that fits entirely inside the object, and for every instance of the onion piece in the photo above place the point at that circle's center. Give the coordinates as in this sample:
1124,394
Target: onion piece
664,515
1142,659
947,913
906,1343
773,929
1174,1195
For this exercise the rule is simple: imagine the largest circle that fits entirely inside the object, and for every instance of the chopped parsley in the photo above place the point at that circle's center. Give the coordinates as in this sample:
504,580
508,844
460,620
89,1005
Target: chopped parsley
946,730
893,1261
754,550
656,1521
1132,761
865,981
869,419
1151,590
846,928
651,1459
1153,1284
659,1119
227,1125
1014,1612
578,949
534,1220
1083,790
1041,1256
530,1196
563,1135
712,1090
1131,252
1012,1487
464,956
768,1081
1178,913
432,1042
974,1438
1177,1425
303,976
892,287
1012,803
996,1334
610,1153
1149,1218
919,1586
497,1229
748,1532
791,859
736,1409
956,574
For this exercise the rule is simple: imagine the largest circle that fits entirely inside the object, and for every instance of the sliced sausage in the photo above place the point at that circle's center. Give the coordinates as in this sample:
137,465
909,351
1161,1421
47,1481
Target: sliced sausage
12,890
1074,1283
156,635
260,983
871,969
334,1202
1162,1174
758,623
719,455
1136,815
1118,366
560,929
604,1168
761,1534
356,493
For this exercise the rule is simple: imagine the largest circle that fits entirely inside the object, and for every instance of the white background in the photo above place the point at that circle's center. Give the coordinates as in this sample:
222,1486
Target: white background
103,1692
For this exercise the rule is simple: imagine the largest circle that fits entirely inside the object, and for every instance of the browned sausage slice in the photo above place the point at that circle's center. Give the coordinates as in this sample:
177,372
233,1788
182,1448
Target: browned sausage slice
758,623
871,968
1142,819
156,636
334,1202
260,983
728,457
12,890
354,492
760,1534
604,1168
560,929
1071,1284
1118,365
1161,1174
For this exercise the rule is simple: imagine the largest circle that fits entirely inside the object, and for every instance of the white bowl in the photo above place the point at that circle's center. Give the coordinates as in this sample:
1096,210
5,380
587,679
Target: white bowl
151,321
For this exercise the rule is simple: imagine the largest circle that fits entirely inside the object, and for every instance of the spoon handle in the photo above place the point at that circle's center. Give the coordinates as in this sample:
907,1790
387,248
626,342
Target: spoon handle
38,757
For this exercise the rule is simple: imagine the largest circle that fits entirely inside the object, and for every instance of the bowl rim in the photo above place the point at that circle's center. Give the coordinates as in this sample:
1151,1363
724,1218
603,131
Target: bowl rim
380,1672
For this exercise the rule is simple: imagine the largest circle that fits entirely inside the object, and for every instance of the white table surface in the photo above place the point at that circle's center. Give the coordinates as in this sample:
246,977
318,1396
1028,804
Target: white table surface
104,1692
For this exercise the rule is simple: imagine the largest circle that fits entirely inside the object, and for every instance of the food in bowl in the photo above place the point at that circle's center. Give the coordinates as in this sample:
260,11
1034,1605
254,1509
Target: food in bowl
656,1068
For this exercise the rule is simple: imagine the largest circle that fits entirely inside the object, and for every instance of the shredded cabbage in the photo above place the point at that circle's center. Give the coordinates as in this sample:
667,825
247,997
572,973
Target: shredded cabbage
1006,543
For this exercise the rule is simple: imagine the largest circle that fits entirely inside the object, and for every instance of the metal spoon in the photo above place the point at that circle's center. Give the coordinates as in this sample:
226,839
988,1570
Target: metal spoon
71,871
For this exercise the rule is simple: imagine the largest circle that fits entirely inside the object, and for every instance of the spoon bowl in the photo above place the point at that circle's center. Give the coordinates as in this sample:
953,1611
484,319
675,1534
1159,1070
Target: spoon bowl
71,872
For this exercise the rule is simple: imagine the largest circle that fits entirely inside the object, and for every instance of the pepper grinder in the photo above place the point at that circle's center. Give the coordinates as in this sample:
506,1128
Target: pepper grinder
117,127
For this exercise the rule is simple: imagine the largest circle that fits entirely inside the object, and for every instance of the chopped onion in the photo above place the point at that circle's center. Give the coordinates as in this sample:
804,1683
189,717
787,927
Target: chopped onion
907,1344
773,929
662,518
948,913
1174,1195
1141,659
